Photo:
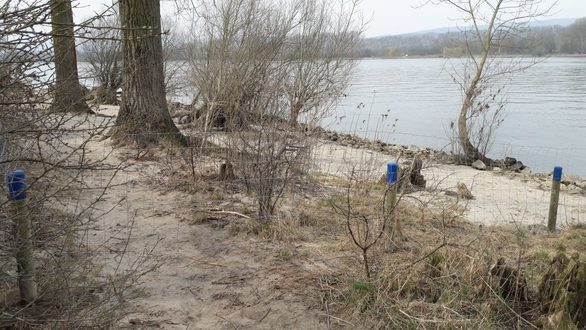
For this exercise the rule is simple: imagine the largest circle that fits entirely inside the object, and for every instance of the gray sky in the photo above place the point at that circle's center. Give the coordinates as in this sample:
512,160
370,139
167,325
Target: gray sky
387,17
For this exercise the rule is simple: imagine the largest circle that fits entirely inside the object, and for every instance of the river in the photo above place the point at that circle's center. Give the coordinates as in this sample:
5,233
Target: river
414,101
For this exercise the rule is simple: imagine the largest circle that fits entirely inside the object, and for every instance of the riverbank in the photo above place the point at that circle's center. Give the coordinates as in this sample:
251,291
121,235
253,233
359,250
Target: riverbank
221,270
178,247
433,157
501,195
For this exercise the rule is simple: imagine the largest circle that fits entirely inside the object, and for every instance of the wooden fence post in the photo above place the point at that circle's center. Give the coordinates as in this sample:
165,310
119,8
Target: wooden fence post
24,243
394,228
555,198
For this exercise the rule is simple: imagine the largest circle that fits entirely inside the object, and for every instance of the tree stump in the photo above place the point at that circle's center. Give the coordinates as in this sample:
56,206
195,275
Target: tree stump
226,172
562,293
509,282
410,175
415,176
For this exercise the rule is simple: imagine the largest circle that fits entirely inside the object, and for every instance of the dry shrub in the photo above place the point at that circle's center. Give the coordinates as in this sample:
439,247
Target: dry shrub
442,277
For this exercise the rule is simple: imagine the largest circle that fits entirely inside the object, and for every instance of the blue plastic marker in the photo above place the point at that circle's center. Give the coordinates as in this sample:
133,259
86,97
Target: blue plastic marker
17,185
392,173
557,173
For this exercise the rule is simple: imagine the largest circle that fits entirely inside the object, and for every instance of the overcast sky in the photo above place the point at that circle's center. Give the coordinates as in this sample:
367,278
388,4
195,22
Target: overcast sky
387,17
404,16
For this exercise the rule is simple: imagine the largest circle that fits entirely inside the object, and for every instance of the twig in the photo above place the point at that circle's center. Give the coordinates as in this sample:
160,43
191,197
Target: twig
427,255
338,319
230,322
265,316
203,262
221,212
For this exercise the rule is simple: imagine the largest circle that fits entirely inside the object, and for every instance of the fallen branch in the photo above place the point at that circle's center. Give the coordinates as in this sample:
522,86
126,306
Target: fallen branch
222,212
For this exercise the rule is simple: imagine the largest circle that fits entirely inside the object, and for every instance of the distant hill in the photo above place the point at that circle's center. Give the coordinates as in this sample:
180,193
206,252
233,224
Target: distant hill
544,37
563,22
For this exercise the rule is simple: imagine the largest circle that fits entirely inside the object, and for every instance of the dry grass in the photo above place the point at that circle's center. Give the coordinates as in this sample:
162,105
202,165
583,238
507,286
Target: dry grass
438,278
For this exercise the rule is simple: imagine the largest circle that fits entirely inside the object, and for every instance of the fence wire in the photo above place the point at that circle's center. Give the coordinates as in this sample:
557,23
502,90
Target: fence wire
500,196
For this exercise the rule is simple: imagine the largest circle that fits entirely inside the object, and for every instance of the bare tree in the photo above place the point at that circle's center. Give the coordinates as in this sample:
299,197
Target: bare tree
69,95
143,117
258,65
489,25
322,58
316,48
365,227
102,51
240,73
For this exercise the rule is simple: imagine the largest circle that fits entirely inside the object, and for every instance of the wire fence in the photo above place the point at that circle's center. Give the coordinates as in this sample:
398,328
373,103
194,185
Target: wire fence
500,196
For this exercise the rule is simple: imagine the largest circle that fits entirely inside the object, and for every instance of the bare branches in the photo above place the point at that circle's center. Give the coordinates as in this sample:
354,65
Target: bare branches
491,23
54,150
365,230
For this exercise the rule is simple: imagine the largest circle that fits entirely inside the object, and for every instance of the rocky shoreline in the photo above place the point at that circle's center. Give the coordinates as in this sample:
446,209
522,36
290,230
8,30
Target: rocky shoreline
509,166
406,151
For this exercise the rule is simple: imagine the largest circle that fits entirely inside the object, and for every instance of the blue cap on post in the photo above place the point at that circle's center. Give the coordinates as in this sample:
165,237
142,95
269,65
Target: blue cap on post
16,185
392,173
557,173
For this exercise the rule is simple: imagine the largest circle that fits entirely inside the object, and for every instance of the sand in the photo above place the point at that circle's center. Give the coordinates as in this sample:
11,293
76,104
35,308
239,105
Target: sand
500,197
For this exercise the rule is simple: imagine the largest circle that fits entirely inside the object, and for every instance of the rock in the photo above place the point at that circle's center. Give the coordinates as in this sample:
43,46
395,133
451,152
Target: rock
527,171
500,163
443,157
479,165
510,161
413,148
517,167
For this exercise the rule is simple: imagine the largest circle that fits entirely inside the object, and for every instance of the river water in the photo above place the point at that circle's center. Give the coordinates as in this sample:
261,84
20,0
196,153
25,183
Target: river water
414,101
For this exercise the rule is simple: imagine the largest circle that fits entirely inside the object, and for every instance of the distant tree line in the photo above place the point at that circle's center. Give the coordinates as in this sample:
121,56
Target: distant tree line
536,41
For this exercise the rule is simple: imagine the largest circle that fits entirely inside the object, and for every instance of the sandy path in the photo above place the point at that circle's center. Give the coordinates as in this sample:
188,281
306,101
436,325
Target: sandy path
206,278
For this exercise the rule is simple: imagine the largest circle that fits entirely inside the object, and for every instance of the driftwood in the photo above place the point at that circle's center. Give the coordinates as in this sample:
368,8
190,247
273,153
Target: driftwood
222,212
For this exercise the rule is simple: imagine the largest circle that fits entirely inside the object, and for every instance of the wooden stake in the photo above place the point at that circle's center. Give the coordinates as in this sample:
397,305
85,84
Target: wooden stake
24,243
555,198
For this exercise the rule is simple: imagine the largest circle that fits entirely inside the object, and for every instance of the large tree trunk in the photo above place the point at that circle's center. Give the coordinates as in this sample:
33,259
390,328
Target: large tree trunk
69,95
143,117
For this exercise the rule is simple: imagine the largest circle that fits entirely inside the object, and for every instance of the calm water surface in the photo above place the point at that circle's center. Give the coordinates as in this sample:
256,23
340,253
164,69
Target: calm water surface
413,101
